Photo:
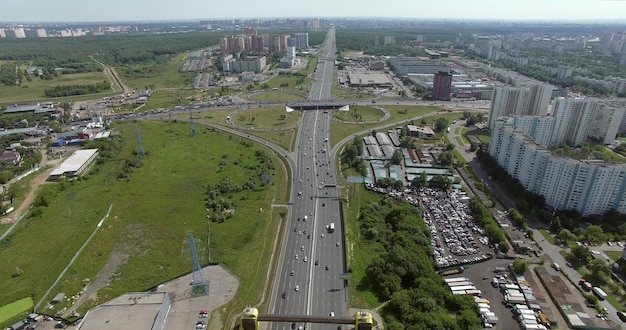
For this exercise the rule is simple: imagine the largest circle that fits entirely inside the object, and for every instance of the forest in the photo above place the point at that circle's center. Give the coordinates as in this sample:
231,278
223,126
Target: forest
404,272
73,53
365,40
70,90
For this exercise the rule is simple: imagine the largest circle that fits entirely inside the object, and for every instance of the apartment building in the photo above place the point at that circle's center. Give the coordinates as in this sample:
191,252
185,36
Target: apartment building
590,187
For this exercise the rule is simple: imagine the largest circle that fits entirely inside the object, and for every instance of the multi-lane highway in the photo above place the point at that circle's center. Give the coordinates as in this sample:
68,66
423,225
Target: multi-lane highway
313,259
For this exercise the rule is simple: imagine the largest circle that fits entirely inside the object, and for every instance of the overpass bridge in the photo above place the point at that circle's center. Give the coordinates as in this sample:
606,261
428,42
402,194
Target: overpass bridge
251,317
313,105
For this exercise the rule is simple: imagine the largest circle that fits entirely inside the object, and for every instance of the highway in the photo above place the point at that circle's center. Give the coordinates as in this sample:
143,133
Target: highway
308,280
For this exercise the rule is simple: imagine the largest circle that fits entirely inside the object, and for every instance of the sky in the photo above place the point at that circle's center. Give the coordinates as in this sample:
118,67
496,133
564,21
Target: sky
159,10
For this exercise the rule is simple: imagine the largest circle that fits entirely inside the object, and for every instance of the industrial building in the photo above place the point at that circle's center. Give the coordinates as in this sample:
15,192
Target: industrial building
403,66
75,165
376,80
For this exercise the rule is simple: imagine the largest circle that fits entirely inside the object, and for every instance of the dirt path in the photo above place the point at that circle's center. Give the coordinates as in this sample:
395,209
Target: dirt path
34,185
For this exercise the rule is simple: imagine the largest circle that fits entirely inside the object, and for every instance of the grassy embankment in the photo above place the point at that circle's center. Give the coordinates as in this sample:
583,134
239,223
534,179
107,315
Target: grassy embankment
148,224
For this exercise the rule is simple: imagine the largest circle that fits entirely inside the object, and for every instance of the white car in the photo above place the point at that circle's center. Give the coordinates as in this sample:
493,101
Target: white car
292,273
297,287
305,259
302,248
332,314
298,257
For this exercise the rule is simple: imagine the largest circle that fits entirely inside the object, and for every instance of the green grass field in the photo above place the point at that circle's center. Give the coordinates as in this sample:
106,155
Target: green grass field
342,95
360,253
151,215
338,130
273,118
169,98
276,96
614,255
35,90
359,113
163,74
16,308
483,135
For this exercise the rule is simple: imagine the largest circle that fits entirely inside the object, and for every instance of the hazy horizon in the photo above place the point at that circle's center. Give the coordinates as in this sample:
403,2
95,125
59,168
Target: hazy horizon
75,11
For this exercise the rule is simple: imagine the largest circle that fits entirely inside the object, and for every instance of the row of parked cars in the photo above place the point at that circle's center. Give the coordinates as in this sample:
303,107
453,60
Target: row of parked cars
455,238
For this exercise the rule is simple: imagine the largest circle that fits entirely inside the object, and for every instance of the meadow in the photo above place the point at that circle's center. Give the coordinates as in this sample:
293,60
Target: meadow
153,207
34,90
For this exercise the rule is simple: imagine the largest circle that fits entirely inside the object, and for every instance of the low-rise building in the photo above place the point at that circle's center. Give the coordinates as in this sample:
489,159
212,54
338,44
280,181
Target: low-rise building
424,132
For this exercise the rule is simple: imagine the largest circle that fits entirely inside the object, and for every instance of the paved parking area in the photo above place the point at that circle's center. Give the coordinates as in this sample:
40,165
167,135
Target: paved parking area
456,238
476,273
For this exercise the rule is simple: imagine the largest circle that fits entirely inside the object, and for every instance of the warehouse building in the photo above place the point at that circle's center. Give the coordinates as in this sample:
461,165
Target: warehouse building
75,165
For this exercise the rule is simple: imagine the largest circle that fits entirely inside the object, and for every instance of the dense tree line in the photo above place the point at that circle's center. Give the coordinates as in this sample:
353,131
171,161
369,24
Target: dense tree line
8,74
484,218
404,271
111,49
351,156
365,40
69,90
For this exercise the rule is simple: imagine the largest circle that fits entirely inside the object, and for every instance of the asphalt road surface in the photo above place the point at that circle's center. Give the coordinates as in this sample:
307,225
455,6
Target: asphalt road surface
308,279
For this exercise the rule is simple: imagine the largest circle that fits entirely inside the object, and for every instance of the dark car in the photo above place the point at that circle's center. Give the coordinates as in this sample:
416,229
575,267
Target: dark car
622,316
284,295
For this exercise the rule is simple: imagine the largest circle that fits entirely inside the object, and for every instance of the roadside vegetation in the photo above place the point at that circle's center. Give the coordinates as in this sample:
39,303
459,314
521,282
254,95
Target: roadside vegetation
399,269
154,206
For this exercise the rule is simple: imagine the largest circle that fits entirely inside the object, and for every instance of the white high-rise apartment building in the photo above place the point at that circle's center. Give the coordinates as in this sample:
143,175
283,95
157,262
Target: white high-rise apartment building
538,127
573,117
605,122
588,187
522,101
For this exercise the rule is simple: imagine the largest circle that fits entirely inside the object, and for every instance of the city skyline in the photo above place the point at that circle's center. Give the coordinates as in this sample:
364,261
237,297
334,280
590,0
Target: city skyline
159,10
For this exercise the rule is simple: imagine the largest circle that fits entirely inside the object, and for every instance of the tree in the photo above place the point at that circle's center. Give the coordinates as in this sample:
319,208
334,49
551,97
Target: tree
420,180
396,158
581,253
566,235
441,124
520,266
595,234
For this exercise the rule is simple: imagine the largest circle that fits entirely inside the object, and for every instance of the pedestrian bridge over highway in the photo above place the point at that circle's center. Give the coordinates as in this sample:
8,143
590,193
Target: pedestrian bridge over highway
251,317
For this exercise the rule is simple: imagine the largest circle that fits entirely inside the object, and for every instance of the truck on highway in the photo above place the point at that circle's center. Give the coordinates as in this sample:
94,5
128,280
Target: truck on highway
331,227
585,285
599,293
455,270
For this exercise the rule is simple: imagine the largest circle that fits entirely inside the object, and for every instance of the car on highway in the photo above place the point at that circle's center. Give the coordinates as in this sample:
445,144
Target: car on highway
297,287
292,273
332,314
305,259
284,295
302,248
298,257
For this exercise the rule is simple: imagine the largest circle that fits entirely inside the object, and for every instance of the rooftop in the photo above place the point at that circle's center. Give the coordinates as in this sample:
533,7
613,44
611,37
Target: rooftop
74,162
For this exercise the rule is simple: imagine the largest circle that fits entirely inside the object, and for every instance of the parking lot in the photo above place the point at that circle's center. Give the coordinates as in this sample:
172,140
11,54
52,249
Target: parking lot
456,239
